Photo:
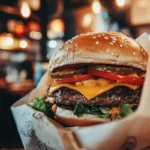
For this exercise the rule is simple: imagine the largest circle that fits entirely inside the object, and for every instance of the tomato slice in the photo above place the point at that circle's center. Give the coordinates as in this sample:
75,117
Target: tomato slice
117,77
75,78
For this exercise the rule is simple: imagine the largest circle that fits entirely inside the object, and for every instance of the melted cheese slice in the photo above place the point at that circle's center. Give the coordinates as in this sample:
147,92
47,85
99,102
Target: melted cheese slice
88,91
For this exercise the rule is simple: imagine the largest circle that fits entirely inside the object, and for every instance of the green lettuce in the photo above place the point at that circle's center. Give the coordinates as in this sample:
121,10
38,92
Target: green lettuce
125,110
81,109
103,112
41,105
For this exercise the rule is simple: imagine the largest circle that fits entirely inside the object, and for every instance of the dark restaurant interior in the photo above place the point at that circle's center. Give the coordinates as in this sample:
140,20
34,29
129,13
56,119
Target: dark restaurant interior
31,30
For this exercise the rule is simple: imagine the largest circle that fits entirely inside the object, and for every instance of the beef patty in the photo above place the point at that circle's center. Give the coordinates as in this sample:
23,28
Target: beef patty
114,97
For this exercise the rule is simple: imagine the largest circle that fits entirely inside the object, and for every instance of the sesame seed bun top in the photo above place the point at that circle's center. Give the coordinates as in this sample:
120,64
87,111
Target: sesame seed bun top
100,48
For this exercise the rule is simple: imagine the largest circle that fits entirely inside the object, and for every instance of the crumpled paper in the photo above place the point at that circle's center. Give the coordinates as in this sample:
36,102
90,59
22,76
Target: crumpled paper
38,132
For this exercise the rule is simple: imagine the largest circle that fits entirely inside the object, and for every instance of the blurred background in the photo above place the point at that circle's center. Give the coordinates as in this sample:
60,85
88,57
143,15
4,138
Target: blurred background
31,30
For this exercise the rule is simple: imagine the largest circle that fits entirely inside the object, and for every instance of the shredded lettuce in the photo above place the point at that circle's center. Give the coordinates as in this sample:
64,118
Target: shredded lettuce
41,105
81,109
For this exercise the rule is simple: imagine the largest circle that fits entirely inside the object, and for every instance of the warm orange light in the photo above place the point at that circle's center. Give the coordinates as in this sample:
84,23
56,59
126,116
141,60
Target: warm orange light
19,29
11,25
23,44
34,4
87,20
9,41
25,10
34,26
96,7
120,3
57,25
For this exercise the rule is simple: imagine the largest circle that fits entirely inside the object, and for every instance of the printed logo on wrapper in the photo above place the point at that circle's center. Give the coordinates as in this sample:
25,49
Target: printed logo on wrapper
43,146
27,129
38,115
130,143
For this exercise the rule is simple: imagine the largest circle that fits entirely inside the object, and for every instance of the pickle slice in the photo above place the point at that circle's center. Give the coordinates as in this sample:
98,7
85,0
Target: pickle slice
115,69
62,74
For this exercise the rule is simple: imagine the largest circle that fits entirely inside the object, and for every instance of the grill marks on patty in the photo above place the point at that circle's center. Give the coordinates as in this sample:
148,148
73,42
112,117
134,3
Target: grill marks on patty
114,97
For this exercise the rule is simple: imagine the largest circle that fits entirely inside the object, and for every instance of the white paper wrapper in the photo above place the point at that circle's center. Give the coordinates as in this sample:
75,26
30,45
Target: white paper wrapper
38,132
130,133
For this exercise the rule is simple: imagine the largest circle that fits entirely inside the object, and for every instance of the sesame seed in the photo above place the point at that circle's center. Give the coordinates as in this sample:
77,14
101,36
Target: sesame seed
94,37
97,42
107,50
67,49
116,54
103,34
112,54
87,34
67,41
144,53
76,45
126,40
114,38
99,36
121,45
111,43
76,36
141,49
106,38
133,53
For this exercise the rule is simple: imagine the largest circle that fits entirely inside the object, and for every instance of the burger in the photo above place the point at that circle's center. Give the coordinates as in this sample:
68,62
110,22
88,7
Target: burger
97,77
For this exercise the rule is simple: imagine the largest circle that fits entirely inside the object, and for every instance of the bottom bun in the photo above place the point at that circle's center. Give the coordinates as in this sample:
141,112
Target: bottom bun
68,118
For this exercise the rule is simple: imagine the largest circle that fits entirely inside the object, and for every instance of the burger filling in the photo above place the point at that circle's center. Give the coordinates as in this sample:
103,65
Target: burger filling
114,97
104,90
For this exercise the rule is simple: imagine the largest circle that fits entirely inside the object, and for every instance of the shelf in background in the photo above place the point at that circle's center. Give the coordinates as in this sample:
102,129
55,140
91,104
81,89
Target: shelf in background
18,50
16,12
